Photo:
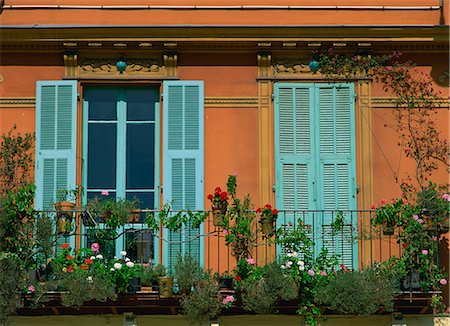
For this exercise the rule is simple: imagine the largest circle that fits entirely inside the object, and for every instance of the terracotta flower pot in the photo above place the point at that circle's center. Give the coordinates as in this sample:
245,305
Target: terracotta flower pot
267,227
165,286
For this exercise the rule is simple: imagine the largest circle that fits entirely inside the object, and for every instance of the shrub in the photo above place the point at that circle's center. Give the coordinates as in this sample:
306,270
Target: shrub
360,292
188,272
261,294
203,303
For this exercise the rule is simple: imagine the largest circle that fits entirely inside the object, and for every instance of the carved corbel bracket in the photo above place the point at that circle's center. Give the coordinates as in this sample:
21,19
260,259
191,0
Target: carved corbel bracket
170,65
70,64
264,65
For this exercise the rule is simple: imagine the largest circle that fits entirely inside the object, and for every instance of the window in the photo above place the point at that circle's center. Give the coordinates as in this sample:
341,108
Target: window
315,161
119,137
120,151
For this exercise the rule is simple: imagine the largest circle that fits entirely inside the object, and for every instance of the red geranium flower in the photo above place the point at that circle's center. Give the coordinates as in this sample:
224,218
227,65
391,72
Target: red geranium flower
210,197
238,278
258,210
405,245
84,266
69,257
70,269
65,245
274,212
268,206
217,191
223,196
88,261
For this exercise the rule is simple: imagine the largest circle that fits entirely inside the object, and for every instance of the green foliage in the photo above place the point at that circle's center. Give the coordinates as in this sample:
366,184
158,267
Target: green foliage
306,270
360,292
12,280
85,285
69,195
268,286
16,160
188,272
203,303
174,221
238,224
115,213
149,273
393,214
16,222
43,237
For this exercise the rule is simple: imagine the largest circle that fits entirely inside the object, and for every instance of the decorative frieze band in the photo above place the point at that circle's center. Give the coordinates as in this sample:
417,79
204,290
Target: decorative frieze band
226,102
17,102
222,102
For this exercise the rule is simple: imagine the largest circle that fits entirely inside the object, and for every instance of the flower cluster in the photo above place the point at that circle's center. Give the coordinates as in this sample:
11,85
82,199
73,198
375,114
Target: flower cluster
218,198
268,213
91,262
228,301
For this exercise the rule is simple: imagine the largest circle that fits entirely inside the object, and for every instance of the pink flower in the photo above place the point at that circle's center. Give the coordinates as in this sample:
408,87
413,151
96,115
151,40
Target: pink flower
420,220
225,231
31,288
383,202
228,298
95,247
416,217
424,252
311,272
404,201
446,197
433,238
443,281
323,273
105,193
250,261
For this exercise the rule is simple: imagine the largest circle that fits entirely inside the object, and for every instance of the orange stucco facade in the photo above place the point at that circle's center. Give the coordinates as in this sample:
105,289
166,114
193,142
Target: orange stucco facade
226,44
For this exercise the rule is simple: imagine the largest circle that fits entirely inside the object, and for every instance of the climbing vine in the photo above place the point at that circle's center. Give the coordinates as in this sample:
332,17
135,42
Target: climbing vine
416,107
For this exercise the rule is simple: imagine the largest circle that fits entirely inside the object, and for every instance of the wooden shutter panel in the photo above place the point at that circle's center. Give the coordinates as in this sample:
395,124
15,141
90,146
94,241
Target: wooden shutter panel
183,161
56,116
336,133
293,153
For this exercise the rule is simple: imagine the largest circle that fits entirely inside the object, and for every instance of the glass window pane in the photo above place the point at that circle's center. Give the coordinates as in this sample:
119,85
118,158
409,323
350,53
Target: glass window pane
141,104
139,245
102,104
140,156
102,156
146,199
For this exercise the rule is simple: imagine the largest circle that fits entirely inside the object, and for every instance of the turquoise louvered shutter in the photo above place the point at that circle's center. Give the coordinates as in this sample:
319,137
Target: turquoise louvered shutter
294,153
183,162
315,162
335,131
56,109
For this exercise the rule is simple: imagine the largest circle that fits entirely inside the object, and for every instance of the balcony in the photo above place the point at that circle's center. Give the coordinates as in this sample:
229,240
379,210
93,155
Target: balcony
351,241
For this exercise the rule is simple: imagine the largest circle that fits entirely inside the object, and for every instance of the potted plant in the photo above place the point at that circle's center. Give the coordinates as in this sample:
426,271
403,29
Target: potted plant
65,209
391,215
113,212
188,272
225,281
165,284
149,276
268,217
219,204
